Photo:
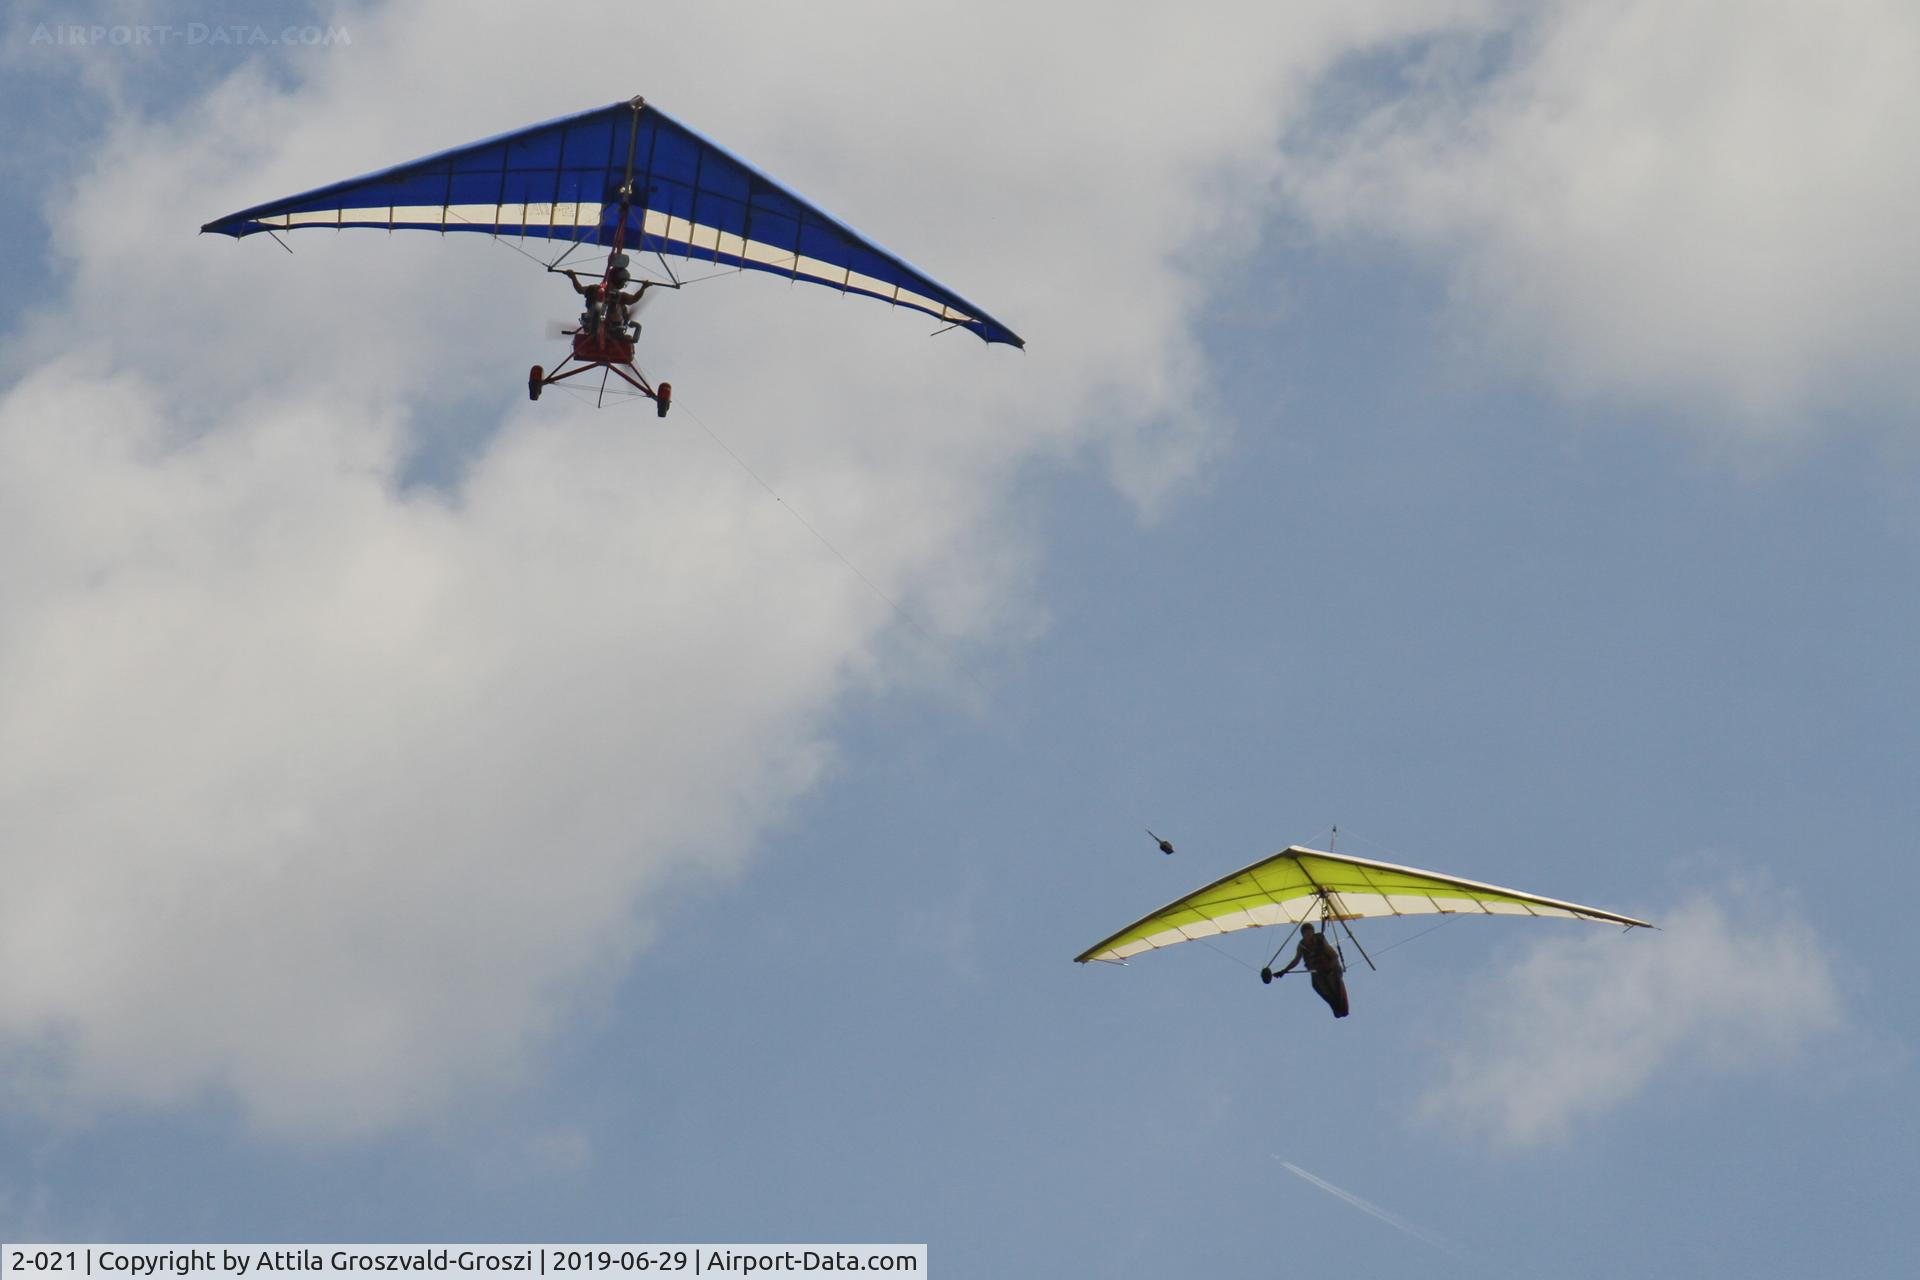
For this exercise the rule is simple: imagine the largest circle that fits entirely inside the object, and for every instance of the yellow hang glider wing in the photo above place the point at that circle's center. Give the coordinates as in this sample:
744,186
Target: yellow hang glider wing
1306,884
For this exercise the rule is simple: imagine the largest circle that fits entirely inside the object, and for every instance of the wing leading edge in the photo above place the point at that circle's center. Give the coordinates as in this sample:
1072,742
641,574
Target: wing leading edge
1299,884
561,180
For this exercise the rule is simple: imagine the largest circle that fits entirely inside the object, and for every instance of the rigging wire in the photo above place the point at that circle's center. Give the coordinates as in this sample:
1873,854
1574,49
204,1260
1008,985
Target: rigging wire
1224,955
1445,920
572,246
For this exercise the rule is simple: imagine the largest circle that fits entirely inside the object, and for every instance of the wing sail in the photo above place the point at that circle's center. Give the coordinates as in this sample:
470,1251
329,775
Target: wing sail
561,181
1299,884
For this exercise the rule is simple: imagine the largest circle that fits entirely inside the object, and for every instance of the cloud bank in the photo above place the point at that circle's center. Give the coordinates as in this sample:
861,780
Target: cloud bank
1732,983
1708,205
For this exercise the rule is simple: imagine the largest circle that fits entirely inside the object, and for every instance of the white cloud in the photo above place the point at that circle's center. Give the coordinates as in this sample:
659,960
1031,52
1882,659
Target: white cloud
1708,205
332,795
1733,982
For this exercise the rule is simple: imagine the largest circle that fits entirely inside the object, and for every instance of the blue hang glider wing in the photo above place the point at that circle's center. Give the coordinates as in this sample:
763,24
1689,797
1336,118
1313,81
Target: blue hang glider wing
563,180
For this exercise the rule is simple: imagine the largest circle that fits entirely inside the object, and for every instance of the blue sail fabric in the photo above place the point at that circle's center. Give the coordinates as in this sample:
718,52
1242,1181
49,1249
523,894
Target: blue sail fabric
562,180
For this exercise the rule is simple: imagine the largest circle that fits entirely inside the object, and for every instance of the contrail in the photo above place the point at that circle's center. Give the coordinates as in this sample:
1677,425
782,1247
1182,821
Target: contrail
1371,1209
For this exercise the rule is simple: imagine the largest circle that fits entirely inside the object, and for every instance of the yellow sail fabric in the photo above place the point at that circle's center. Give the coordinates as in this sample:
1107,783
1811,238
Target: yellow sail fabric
1299,884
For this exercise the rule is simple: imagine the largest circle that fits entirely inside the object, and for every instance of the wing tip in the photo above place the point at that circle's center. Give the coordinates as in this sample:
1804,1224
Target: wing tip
993,333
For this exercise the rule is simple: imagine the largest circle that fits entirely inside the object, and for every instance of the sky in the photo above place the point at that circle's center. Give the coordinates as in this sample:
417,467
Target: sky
1488,429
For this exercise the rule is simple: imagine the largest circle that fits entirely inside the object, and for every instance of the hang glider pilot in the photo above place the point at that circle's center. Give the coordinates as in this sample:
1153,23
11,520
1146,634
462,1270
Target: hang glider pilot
1323,963
617,318
590,318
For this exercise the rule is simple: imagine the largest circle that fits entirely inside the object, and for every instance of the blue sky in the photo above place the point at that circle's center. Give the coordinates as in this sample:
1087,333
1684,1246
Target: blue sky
1488,429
